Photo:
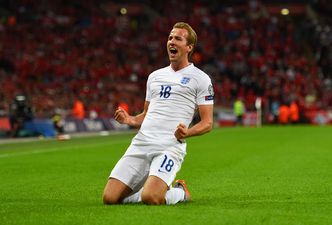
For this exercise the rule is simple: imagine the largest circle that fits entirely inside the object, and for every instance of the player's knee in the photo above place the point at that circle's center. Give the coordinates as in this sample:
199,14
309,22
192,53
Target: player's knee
152,199
110,199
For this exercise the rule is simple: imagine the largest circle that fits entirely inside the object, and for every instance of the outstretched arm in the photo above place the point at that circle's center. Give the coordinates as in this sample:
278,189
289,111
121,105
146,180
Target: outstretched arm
135,121
202,127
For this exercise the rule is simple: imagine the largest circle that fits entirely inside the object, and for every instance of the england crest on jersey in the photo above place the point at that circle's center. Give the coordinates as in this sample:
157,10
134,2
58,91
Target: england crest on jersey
185,80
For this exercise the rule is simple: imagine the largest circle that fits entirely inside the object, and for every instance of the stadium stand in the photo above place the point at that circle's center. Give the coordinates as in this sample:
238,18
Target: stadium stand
102,52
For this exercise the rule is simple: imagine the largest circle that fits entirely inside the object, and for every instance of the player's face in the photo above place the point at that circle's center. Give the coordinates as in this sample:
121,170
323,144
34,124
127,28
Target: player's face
177,47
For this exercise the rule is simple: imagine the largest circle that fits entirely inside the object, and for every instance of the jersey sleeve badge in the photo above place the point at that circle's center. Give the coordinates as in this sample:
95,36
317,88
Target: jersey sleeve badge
211,92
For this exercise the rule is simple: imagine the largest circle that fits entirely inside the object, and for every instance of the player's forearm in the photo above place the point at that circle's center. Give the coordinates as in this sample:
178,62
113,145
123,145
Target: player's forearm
200,128
136,121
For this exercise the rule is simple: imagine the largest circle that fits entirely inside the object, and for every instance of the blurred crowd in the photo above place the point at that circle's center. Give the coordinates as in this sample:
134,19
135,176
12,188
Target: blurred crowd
101,53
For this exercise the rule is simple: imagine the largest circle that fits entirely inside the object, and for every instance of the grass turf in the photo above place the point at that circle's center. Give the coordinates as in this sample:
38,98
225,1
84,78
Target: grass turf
270,175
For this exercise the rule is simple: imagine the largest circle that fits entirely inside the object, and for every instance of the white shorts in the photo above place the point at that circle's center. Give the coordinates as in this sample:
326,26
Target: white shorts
135,166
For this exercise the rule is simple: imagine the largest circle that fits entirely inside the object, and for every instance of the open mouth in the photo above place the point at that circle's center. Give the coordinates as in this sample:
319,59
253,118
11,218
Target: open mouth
173,51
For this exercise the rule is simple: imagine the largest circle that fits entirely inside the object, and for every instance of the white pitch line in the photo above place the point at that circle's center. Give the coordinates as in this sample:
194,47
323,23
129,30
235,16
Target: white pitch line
56,149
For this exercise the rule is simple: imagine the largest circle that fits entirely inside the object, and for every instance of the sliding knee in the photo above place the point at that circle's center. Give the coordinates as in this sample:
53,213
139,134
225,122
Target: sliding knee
110,199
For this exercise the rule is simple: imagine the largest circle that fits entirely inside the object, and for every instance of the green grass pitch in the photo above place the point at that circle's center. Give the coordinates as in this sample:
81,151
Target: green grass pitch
269,175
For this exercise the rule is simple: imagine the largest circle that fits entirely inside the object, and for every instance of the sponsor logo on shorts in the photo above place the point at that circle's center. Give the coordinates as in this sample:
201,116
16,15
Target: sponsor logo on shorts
161,171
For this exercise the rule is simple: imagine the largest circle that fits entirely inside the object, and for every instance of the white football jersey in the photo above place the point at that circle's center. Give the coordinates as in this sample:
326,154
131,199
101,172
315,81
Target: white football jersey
174,97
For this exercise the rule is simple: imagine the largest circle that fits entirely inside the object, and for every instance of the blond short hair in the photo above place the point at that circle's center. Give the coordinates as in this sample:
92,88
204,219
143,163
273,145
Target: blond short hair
192,36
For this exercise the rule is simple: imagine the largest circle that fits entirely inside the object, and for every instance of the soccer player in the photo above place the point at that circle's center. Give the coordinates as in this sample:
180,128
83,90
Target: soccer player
173,94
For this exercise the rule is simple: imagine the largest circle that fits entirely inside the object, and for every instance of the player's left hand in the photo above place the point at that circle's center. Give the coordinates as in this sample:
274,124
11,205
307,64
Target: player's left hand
181,131
121,116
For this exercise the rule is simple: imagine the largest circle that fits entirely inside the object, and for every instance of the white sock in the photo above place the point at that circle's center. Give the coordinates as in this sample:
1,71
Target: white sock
174,195
134,198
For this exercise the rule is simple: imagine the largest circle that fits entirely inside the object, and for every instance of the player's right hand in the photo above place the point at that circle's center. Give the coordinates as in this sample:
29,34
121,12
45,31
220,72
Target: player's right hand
121,115
181,131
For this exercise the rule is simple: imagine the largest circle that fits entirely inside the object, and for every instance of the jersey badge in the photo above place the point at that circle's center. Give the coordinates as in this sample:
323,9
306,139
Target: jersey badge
210,89
209,97
211,92
185,80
